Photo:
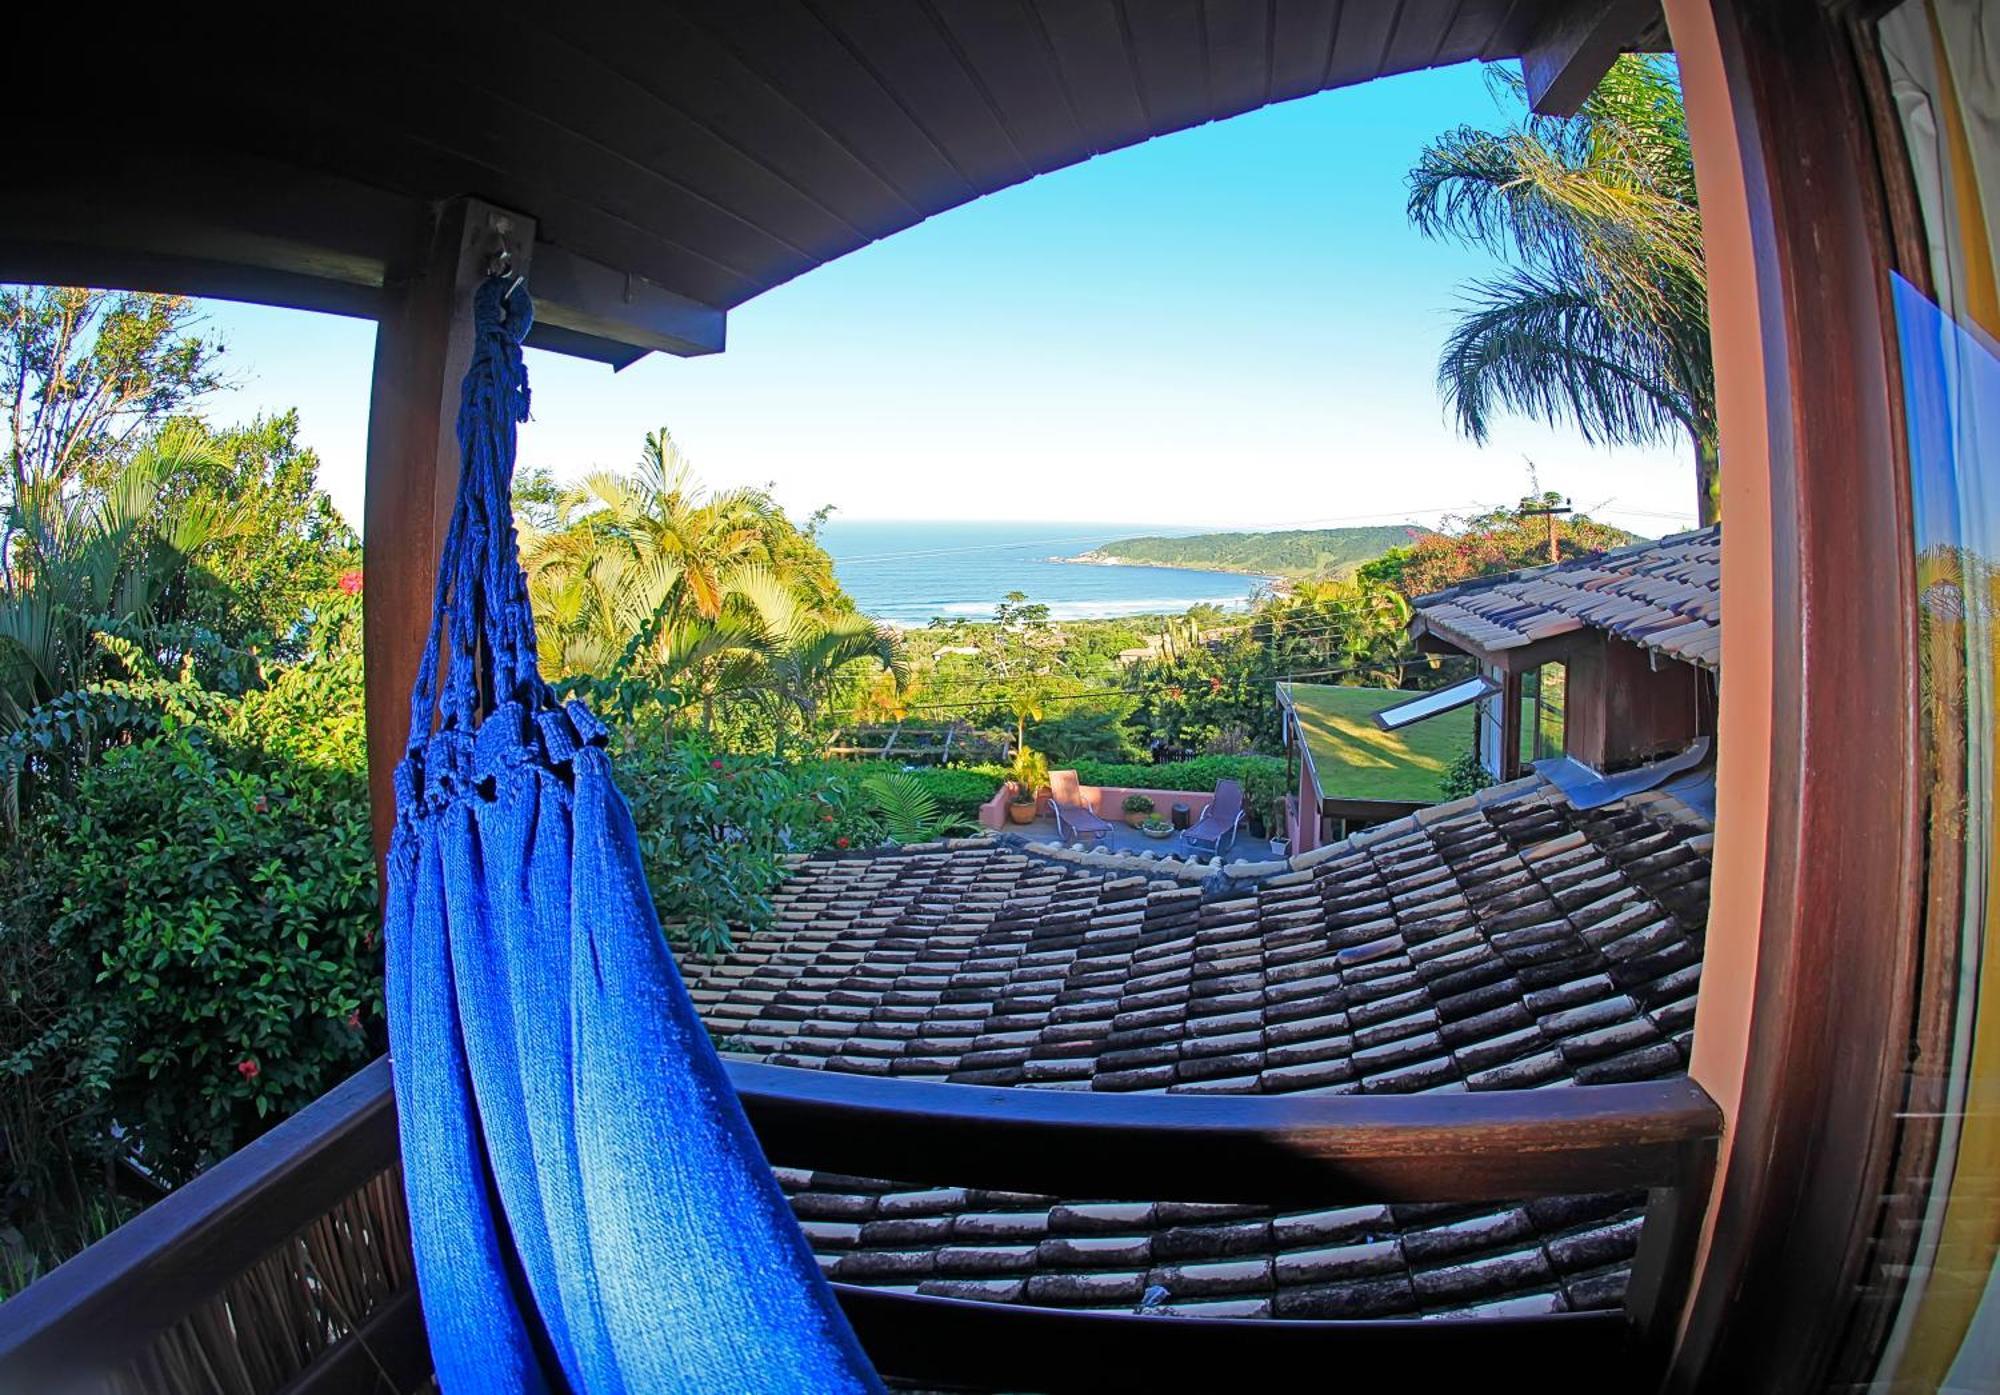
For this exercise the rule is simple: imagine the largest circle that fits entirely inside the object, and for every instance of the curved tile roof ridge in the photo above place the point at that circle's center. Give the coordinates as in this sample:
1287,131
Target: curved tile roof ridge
1500,941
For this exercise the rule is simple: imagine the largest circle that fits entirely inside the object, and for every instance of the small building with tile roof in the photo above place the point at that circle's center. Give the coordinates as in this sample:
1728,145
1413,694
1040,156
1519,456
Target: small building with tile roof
1610,660
1510,940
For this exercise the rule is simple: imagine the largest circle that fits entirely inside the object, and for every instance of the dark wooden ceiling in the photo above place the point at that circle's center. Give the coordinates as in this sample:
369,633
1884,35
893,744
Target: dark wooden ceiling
679,156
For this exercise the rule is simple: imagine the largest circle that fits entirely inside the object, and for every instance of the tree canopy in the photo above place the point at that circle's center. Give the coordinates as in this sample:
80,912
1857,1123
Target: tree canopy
1602,320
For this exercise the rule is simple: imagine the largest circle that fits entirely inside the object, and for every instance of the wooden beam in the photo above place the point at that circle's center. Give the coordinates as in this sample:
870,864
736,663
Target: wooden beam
1575,48
578,298
1283,1149
423,344
313,242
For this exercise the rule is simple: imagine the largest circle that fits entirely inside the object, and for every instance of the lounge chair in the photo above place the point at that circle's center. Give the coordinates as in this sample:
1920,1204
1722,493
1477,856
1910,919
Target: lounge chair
1216,829
1074,818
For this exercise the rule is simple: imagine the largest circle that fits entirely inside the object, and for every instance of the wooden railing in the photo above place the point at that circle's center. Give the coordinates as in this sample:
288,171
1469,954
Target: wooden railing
85,1326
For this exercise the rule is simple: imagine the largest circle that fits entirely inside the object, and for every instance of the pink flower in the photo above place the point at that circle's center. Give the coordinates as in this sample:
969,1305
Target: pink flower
354,1019
841,841
248,1067
715,764
350,582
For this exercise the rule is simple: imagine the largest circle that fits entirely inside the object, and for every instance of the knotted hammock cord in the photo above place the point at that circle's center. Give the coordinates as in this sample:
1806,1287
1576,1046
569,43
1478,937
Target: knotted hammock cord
589,1207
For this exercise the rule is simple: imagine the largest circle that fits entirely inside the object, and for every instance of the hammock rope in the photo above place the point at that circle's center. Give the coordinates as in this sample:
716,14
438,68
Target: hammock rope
590,1210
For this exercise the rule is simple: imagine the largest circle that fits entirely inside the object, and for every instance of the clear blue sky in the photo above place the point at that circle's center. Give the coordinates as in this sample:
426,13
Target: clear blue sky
1232,326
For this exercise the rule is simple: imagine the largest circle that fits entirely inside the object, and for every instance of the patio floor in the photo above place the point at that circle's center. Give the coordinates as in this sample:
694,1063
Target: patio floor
1122,839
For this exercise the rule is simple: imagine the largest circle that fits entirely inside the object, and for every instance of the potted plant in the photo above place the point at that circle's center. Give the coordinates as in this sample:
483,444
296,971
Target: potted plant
1156,827
1281,847
1030,774
1138,808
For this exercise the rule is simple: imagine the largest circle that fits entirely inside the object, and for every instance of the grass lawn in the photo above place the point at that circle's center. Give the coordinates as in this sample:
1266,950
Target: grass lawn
1358,760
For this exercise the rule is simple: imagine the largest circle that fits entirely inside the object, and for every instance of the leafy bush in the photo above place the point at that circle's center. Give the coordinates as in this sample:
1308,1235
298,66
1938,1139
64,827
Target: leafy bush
1465,776
1030,770
1263,777
1084,733
1205,696
1138,804
713,832
198,933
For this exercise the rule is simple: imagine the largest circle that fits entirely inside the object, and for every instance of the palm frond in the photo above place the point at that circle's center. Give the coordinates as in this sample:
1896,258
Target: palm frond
1554,353
908,811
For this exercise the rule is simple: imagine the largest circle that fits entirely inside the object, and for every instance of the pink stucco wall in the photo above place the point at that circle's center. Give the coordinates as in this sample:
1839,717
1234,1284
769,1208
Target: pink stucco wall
1105,801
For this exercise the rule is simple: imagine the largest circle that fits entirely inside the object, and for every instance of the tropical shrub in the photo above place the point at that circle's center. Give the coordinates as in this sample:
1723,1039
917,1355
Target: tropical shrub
958,789
1084,733
197,933
909,812
1186,703
1030,770
714,831
1464,776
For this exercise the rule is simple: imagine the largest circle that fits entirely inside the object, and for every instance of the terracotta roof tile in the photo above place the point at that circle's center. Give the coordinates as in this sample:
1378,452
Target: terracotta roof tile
1663,595
1492,944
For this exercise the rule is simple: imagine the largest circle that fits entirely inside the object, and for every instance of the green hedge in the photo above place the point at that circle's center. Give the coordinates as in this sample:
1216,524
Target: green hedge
1263,778
958,789
961,789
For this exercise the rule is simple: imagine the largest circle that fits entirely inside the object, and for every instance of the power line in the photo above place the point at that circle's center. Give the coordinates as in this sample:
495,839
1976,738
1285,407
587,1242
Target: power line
1157,686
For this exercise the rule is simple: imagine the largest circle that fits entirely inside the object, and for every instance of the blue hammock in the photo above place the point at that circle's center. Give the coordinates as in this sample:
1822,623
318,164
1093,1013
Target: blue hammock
589,1207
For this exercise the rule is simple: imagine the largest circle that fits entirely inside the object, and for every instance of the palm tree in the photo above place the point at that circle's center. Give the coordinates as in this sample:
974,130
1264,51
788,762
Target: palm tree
803,649
702,597
91,570
1603,322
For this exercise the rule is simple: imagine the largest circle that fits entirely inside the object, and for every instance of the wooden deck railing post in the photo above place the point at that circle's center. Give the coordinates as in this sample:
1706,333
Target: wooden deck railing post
1664,1266
423,343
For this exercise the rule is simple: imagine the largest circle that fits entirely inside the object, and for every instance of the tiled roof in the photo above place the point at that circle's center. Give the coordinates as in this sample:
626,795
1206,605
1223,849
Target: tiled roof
1508,941
1665,596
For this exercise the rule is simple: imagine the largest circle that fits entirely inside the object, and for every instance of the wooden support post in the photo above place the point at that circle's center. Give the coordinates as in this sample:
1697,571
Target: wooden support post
423,343
1664,1265
1510,726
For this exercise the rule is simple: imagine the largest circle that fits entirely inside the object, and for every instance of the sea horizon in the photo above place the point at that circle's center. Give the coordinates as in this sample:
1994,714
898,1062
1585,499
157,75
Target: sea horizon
911,572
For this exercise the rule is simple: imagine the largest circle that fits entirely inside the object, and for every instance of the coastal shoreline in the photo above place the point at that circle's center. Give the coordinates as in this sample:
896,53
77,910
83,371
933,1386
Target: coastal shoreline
1106,559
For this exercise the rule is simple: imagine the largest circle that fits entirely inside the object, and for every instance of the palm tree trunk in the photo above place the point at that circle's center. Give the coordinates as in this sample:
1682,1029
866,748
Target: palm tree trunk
1707,478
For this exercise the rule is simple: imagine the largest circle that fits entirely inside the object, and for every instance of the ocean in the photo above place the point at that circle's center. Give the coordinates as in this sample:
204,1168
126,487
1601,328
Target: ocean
909,573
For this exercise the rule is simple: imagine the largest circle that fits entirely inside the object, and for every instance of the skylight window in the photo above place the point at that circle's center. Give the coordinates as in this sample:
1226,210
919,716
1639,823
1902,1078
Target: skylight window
1433,704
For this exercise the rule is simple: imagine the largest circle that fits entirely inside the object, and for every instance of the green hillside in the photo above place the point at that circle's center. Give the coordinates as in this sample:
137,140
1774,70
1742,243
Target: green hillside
1297,552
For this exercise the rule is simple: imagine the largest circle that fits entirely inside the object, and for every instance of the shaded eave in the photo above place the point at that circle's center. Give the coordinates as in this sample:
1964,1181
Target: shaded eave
1509,653
677,158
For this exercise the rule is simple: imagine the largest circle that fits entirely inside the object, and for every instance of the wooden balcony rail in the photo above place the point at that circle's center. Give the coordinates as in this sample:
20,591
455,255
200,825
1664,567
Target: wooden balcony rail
84,1326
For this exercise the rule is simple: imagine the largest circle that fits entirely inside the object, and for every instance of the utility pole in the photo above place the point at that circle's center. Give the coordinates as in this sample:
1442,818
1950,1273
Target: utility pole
1549,511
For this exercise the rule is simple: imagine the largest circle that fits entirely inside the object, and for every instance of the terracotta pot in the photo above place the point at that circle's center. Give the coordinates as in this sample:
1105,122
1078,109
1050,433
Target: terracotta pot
1134,820
1021,812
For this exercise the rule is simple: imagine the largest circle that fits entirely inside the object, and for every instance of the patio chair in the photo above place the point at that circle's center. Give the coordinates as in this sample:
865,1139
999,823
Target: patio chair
1074,818
1216,829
